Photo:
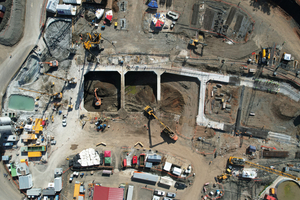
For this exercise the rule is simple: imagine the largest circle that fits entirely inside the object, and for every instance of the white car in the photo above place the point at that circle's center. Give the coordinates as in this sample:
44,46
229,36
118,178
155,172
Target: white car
171,194
173,15
64,122
159,192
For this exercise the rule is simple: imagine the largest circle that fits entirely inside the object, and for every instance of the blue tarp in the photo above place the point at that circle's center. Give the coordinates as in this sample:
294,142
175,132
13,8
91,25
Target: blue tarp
153,4
252,148
157,15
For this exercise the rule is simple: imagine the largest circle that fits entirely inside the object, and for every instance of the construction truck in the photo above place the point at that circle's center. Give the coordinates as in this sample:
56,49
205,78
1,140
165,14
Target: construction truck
70,105
53,63
224,176
93,41
166,129
57,95
97,99
69,81
242,162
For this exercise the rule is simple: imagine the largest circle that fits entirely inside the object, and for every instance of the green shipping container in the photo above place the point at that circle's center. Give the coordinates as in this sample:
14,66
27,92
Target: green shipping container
107,160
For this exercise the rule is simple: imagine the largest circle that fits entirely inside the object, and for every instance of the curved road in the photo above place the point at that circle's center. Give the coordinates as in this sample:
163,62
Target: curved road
31,35
9,68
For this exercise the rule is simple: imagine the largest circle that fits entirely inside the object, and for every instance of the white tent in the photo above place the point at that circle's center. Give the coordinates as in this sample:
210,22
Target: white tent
176,171
167,166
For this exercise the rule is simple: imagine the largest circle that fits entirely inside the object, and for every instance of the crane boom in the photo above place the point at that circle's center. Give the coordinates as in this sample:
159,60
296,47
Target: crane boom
242,161
274,171
167,130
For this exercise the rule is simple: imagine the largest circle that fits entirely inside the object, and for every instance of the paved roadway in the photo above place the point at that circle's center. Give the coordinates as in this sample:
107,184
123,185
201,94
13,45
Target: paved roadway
9,68
31,35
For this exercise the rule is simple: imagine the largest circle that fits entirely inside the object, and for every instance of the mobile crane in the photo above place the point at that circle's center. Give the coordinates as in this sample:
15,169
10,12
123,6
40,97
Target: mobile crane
57,95
53,63
167,130
241,162
69,81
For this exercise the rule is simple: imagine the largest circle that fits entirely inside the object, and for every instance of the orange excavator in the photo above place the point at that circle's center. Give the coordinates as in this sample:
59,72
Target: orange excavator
98,100
53,63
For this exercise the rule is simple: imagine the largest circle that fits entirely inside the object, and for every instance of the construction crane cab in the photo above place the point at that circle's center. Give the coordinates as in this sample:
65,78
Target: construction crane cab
236,161
53,63
97,99
166,129
193,42
93,41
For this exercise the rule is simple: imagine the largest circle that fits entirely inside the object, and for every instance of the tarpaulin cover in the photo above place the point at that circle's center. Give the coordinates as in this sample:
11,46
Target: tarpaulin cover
153,4
107,153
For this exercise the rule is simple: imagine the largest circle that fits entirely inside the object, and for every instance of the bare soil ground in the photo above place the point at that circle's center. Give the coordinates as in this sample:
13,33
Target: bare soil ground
214,107
276,113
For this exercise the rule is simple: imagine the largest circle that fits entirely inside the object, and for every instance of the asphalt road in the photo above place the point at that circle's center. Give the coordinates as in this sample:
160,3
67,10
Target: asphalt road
10,67
31,35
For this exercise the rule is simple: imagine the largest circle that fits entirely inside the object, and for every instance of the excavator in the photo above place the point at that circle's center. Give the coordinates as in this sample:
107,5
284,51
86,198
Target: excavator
93,41
57,95
53,63
166,130
69,81
98,100
241,162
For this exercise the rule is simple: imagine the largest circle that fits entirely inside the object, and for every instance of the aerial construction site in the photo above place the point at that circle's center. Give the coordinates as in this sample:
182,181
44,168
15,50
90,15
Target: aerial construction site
150,99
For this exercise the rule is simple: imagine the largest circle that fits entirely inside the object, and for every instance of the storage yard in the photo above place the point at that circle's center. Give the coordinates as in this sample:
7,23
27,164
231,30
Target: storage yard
149,99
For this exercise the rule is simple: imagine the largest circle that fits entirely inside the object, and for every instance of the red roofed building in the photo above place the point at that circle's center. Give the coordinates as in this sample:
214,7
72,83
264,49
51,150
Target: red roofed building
108,193
268,197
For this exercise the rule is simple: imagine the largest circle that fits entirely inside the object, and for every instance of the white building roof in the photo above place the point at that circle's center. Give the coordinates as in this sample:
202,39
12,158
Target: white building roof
72,1
51,5
166,180
34,192
176,171
89,157
167,166
25,182
249,173
22,169
156,197
58,184
63,9
287,57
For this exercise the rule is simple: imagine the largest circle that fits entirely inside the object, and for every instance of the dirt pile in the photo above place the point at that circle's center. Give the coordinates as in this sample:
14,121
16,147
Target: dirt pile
14,31
284,110
108,93
172,99
137,97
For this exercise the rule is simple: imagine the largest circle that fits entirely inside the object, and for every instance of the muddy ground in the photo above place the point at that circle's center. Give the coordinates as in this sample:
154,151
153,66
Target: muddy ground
274,112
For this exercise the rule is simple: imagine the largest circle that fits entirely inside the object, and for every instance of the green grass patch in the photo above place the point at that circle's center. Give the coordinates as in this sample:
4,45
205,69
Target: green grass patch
130,90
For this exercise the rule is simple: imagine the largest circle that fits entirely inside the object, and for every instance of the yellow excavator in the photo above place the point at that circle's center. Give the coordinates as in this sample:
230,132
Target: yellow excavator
241,162
166,130
98,100
93,41
69,81
57,95
53,63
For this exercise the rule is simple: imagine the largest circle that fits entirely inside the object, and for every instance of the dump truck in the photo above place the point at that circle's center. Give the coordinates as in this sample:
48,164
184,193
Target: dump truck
142,160
166,129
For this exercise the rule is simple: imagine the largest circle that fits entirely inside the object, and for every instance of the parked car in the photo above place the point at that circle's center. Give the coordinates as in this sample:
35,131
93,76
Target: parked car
159,192
53,142
71,178
171,194
173,15
166,198
180,185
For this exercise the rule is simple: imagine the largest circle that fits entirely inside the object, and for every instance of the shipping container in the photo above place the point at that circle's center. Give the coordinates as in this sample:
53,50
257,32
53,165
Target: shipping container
275,154
142,160
34,154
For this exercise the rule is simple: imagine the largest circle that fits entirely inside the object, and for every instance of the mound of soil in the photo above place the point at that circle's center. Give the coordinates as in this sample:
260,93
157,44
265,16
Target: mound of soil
104,89
137,97
172,99
108,93
284,110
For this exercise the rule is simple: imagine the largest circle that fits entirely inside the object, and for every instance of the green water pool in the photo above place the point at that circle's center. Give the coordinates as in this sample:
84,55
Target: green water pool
20,102
288,190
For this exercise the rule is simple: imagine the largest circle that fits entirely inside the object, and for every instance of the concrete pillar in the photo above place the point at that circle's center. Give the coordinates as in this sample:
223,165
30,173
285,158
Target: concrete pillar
158,87
123,72
158,82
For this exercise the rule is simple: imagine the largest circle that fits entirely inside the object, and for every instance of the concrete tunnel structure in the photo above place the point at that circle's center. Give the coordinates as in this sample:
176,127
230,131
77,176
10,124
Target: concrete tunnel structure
203,78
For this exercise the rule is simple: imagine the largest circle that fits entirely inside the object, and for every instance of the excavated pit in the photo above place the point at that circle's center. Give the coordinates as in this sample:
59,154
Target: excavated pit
140,90
108,84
